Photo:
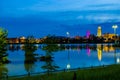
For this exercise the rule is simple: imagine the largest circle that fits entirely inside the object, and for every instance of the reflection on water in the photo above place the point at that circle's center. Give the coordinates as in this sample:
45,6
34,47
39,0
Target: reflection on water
29,57
88,50
3,71
26,59
108,48
48,58
99,51
68,57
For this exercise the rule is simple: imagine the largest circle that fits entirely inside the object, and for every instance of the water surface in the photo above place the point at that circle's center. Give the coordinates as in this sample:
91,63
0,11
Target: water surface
67,56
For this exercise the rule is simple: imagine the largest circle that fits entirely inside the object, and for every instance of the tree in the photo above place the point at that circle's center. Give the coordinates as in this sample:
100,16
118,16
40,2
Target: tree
49,63
3,45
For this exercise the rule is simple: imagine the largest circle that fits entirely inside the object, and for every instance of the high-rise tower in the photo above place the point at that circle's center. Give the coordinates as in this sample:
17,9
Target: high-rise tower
99,31
88,34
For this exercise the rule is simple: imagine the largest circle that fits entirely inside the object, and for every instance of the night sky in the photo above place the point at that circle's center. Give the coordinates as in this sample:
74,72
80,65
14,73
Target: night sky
42,17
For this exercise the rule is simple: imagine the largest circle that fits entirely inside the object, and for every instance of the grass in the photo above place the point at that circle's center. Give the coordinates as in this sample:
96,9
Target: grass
111,72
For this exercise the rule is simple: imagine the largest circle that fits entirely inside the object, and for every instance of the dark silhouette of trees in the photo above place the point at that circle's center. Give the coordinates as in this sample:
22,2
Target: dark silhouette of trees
3,46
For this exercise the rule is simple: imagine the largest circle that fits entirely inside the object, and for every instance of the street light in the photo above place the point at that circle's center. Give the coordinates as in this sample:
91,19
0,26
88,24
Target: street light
68,34
68,66
118,60
114,27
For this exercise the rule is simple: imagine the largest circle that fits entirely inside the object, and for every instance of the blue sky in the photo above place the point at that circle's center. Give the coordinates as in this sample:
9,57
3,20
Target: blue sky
25,6
42,17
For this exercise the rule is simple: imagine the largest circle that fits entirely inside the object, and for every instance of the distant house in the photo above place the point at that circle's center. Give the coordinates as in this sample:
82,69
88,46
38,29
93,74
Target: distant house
22,39
109,37
77,37
13,40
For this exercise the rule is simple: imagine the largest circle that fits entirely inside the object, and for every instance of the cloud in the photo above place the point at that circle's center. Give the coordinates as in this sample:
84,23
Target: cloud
60,5
99,17
26,7
104,7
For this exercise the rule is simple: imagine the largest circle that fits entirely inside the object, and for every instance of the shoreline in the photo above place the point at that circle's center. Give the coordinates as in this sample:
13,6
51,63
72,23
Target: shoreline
63,70
65,43
109,72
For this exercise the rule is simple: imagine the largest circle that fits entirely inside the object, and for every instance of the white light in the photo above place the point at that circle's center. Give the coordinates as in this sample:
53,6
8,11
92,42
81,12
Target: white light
114,26
99,27
68,66
118,60
67,33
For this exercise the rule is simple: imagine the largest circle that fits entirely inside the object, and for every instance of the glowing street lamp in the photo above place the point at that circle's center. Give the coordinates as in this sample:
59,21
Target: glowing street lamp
68,66
118,60
68,34
114,27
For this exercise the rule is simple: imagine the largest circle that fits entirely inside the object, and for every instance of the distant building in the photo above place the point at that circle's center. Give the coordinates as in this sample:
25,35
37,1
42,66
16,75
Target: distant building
109,37
22,39
39,40
77,37
99,31
13,40
88,34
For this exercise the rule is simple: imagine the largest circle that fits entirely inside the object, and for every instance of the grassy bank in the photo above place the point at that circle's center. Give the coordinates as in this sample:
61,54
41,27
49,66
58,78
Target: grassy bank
102,73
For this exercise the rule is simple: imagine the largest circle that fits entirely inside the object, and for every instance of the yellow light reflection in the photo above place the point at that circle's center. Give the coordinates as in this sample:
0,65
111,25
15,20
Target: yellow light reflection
105,48
111,48
99,50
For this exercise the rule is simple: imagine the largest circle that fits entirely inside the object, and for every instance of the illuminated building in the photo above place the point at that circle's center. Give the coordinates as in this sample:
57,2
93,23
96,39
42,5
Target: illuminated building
99,50
109,37
22,39
88,34
99,32
13,40
77,37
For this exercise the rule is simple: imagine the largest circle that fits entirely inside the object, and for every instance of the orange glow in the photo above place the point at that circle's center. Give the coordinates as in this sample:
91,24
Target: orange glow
105,48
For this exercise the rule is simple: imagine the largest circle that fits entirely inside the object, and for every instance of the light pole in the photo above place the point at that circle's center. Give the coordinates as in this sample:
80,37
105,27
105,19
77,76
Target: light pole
68,35
115,27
